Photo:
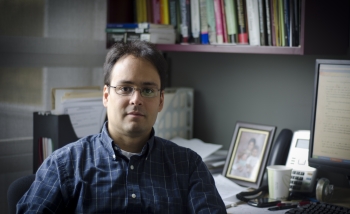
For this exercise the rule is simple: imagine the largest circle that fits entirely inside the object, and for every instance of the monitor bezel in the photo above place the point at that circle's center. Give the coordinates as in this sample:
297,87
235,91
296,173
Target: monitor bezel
342,168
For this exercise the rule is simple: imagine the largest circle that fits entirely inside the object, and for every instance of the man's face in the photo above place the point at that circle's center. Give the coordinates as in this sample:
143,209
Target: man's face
133,115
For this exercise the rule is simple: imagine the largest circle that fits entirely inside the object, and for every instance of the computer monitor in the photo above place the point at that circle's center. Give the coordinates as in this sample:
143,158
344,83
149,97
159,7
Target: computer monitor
329,147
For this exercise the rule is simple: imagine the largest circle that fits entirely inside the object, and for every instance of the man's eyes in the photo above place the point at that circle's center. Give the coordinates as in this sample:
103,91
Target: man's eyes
126,89
148,90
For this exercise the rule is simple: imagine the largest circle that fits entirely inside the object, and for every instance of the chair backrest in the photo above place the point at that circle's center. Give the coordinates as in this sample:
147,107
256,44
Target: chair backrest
17,189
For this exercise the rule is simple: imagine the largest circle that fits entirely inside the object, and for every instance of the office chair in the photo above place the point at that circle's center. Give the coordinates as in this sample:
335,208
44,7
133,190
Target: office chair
17,189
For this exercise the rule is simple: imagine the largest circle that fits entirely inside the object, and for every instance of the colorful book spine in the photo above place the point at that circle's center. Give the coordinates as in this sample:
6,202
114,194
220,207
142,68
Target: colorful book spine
241,17
172,13
286,22
218,22
262,22
185,20
195,21
275,21
141,11
204,21
138,25
268,23
164,12
281,23
211,21
253,22
156,11
223,19
296,26
149,11
231,21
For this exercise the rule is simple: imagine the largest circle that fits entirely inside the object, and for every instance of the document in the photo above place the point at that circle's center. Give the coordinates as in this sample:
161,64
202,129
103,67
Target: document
227,188
84,107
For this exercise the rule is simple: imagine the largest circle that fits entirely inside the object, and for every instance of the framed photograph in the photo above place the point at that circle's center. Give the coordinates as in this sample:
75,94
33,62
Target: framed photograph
248,153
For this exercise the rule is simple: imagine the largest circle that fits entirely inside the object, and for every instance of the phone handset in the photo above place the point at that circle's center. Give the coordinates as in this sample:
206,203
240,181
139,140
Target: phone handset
279,151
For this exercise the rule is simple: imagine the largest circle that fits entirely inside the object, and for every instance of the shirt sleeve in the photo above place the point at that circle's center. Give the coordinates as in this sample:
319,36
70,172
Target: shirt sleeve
45,194
203,195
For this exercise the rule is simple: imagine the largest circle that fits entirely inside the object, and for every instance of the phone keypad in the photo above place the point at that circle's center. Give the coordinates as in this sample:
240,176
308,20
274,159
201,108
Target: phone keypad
297,181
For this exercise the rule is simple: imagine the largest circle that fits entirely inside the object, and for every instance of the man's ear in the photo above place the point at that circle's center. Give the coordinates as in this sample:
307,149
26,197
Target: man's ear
161,101
105,95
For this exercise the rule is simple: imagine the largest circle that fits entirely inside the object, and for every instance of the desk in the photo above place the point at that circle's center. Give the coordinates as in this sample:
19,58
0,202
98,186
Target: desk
247,209
341,197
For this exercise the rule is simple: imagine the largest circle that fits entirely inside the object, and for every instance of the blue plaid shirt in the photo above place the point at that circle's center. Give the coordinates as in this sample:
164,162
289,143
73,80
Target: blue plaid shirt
89,176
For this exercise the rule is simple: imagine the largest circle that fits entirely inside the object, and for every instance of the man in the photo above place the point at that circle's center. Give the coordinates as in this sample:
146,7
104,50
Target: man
125,168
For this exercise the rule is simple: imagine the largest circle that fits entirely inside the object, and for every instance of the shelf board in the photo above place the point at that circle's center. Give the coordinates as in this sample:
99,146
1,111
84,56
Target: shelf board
230,49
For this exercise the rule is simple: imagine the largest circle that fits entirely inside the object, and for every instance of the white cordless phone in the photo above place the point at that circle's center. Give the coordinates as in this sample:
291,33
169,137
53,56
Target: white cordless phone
303,177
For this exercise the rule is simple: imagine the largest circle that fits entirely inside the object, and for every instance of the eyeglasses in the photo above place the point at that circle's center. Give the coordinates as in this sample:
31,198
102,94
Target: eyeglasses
129,91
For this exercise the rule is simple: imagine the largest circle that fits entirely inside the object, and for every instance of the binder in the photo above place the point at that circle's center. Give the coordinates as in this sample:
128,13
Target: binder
57,127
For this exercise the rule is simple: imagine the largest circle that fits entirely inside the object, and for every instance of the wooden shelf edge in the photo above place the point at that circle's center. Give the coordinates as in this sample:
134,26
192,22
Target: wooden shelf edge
230,49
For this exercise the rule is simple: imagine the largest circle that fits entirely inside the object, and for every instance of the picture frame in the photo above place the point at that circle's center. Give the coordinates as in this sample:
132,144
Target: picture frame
248,153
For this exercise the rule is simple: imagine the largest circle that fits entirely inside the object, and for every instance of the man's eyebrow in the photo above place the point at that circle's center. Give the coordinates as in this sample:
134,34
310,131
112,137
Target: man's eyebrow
133,83
150,83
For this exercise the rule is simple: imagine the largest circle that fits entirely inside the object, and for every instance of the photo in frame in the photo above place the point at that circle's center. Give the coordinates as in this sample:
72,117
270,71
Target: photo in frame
248,153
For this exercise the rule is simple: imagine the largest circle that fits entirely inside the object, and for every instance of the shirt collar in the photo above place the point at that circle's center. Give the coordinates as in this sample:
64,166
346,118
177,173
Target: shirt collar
107,141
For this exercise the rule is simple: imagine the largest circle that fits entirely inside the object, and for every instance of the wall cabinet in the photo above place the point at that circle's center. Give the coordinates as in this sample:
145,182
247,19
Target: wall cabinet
324,30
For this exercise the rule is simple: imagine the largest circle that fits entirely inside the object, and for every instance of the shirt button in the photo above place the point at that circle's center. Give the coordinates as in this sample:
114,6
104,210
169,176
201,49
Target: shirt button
132,167
133,195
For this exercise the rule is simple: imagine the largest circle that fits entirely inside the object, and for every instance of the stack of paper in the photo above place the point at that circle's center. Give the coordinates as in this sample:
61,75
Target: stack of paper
197,145
210,153
84,107
216,161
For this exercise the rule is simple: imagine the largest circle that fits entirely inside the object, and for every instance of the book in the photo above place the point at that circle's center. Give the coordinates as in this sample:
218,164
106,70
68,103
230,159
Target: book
286,22
231,21
83,105
241,18
185,20
211,21
139,25
218,22
275,23
296,22
203,22
164,12
223,19
291,23
268,23
253,22
281,23
153,35
195,21
156,11
178,21
113,37
149,11
141,11
173,13
262,22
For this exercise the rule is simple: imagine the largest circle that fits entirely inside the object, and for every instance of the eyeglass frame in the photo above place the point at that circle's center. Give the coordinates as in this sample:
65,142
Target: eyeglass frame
133,91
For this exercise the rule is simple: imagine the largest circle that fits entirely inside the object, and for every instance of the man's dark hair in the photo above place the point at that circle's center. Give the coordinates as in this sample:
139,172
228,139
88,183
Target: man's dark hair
139,49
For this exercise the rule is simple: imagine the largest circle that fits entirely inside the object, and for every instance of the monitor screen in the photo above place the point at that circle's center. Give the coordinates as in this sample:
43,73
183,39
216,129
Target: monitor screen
329,147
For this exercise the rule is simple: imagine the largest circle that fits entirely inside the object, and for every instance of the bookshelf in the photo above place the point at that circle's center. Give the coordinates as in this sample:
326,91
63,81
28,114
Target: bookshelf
324,29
